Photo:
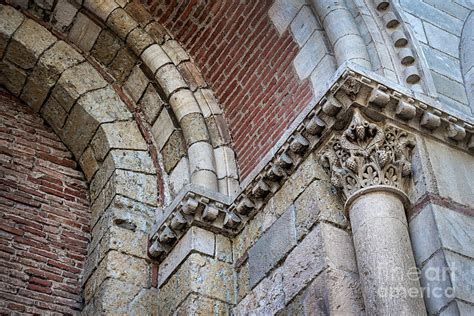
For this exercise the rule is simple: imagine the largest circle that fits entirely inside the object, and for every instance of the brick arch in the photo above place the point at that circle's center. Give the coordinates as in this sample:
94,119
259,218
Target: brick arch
93,120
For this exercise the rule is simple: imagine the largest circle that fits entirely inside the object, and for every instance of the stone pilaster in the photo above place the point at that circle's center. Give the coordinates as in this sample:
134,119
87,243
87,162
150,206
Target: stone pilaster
370,166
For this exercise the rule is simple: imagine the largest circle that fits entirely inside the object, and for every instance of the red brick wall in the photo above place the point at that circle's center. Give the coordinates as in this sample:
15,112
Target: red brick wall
247,63
44,216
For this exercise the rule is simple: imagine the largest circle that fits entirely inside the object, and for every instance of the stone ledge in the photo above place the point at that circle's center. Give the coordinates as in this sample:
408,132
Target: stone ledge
351,87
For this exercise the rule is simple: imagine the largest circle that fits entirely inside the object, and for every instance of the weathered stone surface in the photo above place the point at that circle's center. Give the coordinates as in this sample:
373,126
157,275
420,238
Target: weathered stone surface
139,13
304,25
119,135
318,203
121,23
54,114
174,50
194,128
155,57
145,303
52,63
169,79
151,104
218,132
332,292
200,305
310,55
163,128
12,77
106,47
139,40
183,103
179,177
64,13
201,158
139,161
28,43
207,102
76,81
192,75
157,32
122,64
201,275
282,12
224,248
11,20
272,246
453,172
116,265
196,240
88,163
173,151
225,163
136,83
84,32
113,297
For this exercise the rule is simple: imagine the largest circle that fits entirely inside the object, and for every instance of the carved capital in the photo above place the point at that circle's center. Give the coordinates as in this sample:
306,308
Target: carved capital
368,154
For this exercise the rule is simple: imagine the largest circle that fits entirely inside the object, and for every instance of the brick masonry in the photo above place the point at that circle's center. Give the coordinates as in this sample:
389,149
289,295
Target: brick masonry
247,63
44,216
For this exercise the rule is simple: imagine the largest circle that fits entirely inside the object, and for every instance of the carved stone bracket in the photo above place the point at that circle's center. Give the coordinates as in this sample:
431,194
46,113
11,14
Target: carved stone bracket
368,154
371,153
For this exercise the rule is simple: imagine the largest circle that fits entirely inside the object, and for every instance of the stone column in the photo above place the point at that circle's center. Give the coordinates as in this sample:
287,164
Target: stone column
370,166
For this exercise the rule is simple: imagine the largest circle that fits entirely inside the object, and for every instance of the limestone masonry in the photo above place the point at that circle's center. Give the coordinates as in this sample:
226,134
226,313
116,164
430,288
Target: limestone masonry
228,157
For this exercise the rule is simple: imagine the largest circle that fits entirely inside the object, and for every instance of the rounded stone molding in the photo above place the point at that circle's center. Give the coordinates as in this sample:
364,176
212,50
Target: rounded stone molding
377,188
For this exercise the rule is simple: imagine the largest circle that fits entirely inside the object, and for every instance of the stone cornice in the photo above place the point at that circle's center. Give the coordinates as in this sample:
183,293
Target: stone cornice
352,87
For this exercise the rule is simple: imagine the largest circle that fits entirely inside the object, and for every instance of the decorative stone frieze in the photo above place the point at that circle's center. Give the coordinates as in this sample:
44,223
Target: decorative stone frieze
381,153
367,154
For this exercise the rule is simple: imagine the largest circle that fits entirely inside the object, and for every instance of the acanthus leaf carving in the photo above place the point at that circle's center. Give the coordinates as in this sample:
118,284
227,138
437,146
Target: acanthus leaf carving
367,154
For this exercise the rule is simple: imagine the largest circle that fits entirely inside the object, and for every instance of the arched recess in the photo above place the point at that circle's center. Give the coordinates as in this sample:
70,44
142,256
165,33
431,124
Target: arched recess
187,125
92,119
467,58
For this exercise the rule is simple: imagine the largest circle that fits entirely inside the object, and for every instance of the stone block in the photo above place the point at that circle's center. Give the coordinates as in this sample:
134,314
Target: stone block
122,64
200,275
443,63
452,171
174,50
50,66
192,75
139,161
151,104
274,244
157,32
450,88
88,163
116,265
310,55
323,73
173,151
162,128
145,303
155,57
229,186
196,240
54,114
442,40
200,305
114,297
121,23
118,135
462,275
225,163
304,25
101,8
84,32
139,13
207,102
282,12
200,157
64,13
138,40
12,77
28,43
169,79
106,47
218,132
11,21
136,84
318,203
205,178
223,249
76,81
179,177
183,103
